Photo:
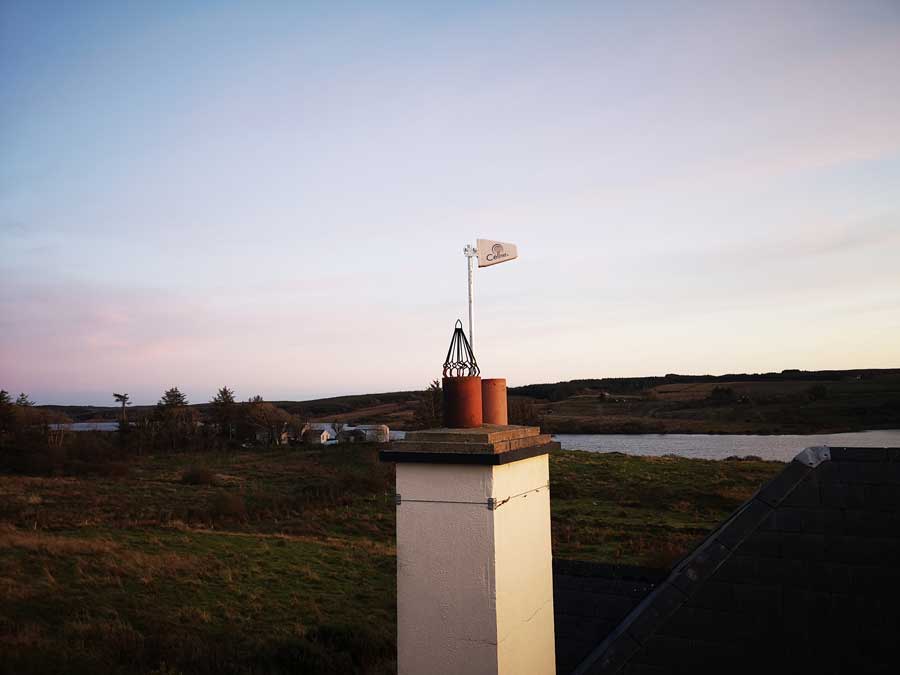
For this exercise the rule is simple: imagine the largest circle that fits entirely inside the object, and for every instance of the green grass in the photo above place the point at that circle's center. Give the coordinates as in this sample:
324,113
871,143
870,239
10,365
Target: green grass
643,510
284,561
201,601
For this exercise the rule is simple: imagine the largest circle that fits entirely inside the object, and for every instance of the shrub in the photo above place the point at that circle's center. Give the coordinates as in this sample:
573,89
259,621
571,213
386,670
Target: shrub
817,392
722,396
228,506
198,475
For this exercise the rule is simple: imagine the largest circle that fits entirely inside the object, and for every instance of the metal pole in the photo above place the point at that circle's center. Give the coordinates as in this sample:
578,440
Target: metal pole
471,253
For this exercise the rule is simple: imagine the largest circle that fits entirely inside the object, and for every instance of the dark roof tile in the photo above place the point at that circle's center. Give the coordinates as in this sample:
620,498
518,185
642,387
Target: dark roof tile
792,519
777,489
807,492
805,576
763,544
882,497
696,568
789,572
843,495
859,454
757,598
610,656
653,611
714,595
741,524
802,546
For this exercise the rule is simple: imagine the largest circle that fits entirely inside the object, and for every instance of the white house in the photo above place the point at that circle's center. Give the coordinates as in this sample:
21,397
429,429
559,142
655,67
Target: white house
349,433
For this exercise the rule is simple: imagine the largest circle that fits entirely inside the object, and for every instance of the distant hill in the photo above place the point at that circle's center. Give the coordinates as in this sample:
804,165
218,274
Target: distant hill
791,401
390,407
624,385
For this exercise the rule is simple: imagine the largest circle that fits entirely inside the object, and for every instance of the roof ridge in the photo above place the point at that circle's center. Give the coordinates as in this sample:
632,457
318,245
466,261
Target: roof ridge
814,455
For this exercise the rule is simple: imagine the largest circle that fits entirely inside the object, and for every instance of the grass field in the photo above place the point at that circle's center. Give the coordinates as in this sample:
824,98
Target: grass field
270,561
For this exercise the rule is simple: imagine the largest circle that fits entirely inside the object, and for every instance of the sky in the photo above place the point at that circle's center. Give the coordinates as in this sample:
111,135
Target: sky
275,196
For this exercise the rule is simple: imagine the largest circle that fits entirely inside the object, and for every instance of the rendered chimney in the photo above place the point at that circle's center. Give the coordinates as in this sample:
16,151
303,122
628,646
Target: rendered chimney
474,565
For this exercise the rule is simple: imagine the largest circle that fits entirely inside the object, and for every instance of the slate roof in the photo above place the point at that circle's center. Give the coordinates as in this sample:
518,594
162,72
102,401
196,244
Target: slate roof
804,577
591,599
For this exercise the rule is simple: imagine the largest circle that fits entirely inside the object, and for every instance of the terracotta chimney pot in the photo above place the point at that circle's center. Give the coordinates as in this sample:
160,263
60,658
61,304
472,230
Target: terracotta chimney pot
493,401
462,402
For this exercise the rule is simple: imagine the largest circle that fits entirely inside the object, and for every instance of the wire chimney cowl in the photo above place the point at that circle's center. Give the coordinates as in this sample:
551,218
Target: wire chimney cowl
461,383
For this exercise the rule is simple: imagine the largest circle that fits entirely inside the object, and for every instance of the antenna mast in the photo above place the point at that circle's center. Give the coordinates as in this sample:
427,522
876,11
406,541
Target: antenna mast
471,254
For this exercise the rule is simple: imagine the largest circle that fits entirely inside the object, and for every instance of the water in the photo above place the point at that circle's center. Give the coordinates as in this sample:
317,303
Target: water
781,448
87,426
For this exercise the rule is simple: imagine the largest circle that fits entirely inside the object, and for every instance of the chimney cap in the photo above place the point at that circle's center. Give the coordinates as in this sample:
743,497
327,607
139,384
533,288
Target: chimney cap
460,361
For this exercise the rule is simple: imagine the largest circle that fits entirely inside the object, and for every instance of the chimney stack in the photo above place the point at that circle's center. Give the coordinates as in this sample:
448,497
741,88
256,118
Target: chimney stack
474,565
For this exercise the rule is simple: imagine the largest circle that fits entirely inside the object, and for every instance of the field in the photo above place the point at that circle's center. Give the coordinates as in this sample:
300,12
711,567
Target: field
271,561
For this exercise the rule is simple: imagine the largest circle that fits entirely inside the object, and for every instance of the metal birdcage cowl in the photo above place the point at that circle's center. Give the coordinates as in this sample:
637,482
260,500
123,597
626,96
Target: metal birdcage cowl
461,383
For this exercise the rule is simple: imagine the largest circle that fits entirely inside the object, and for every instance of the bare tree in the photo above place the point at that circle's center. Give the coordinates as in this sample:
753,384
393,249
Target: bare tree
267,419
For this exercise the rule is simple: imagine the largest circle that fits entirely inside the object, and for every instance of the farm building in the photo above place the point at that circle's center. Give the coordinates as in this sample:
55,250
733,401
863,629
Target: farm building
373,433
325,426
316,436
351,433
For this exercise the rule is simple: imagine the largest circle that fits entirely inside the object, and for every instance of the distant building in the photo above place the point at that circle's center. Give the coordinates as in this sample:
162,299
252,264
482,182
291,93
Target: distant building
273,436
373,433
324,426
353,433
316,436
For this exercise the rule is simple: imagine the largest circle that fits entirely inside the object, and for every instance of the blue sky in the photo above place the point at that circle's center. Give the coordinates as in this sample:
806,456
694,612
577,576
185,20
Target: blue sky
275,196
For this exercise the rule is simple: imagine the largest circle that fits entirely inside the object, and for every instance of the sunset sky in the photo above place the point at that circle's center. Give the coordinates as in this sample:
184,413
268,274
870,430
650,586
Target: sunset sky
275,195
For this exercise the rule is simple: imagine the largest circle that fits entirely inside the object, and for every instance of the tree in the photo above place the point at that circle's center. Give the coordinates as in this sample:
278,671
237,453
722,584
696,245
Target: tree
7,412
522,411
224,396
174,416
267,419
124,399
428,411
173,398
223,404
24,401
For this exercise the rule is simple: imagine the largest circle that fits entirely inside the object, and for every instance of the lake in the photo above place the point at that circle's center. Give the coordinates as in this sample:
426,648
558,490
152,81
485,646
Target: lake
87,426
781,448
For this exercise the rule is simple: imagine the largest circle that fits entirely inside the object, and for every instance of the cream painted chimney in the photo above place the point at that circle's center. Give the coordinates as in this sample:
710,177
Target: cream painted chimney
474,566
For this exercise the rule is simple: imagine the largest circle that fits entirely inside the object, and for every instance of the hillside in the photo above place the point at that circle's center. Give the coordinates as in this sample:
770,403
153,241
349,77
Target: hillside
791,401
771,403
